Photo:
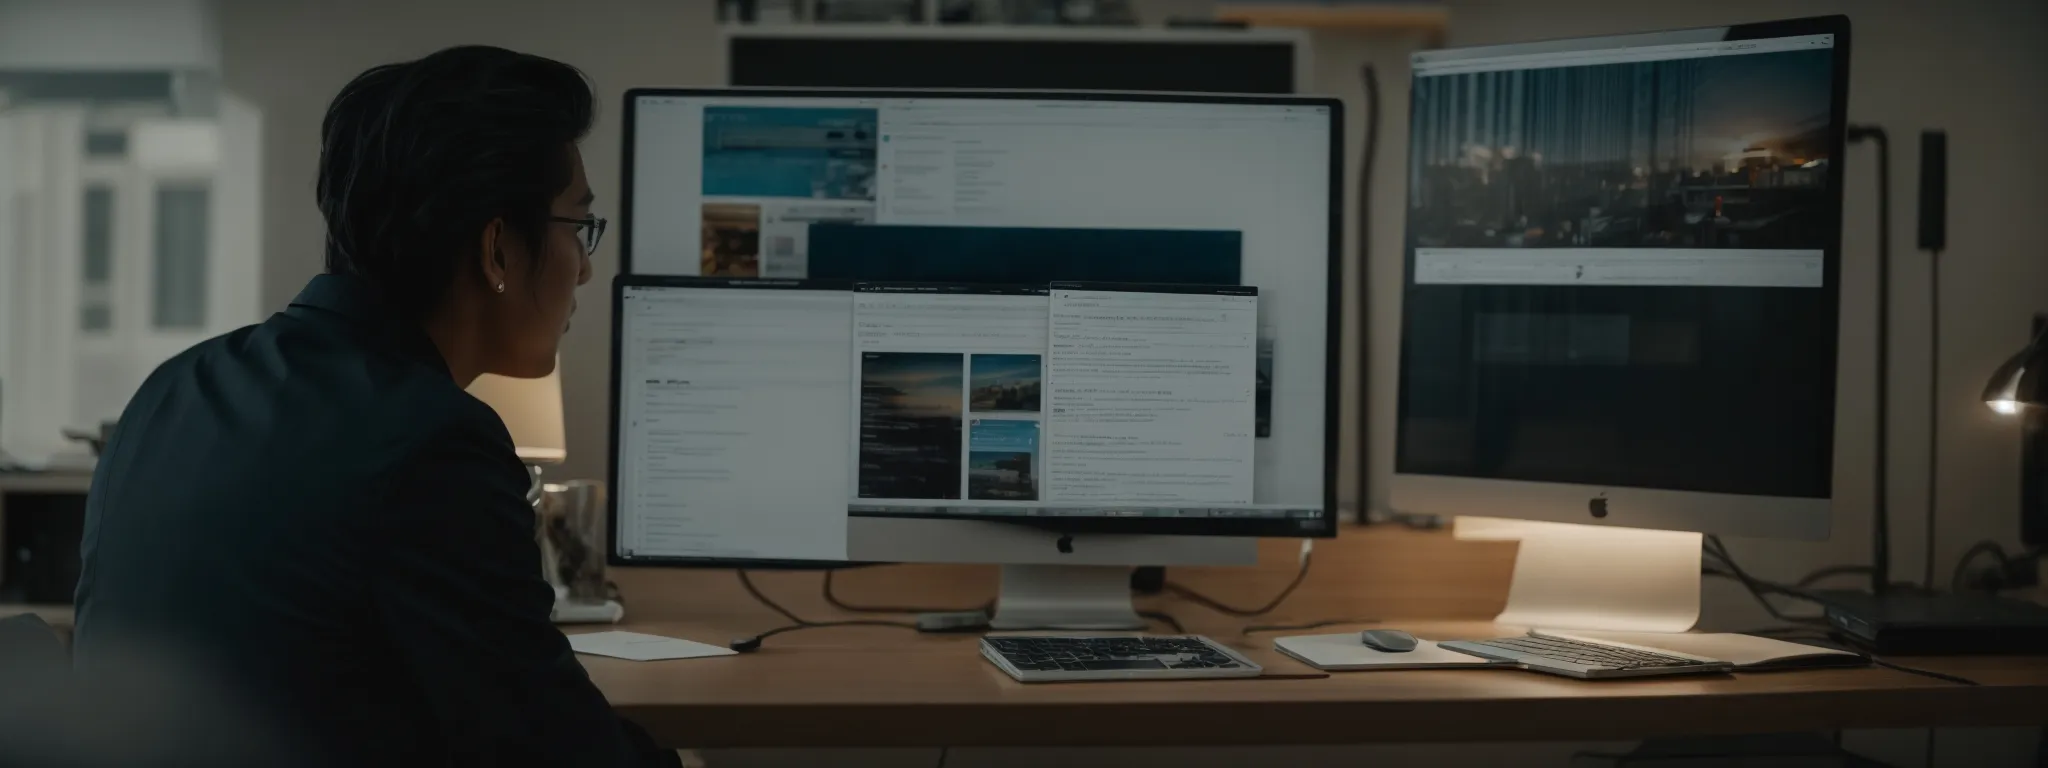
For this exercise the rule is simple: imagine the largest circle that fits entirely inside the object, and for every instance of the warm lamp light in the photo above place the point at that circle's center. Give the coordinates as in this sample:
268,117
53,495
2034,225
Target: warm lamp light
532,410
2017,383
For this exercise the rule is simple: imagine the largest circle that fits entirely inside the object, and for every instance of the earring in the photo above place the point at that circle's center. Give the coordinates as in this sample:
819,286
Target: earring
501,288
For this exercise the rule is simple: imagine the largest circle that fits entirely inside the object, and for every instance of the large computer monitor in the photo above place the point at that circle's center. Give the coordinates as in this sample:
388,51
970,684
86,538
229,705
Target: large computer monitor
1621,307
1028,329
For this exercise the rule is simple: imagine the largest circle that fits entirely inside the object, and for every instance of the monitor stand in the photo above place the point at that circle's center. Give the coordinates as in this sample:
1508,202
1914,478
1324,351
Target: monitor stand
1597,578
1078,597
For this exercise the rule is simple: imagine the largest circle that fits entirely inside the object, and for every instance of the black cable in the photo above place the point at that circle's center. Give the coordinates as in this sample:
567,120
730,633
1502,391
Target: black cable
1761,590
1829,639
943,751
1928,759
1830,572
1942,676
832,599
1364,371
752,643
1244,613
1164,618
1880,532
748,583
1955,583
1933,408
1258,628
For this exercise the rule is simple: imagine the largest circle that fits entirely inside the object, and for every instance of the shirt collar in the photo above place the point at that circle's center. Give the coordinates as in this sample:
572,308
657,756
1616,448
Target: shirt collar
359,305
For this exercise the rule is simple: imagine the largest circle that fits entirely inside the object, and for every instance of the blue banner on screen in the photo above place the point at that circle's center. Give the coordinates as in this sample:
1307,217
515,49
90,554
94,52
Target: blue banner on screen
808,153
1023,255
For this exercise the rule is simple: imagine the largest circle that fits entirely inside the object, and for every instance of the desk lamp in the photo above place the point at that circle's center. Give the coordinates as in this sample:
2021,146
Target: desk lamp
532,411
2017,383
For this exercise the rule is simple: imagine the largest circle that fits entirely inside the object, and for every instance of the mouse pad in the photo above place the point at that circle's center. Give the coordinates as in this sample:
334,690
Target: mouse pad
1345,653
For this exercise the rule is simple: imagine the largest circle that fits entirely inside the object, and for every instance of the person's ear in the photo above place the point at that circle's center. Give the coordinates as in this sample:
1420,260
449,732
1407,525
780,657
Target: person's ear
491,256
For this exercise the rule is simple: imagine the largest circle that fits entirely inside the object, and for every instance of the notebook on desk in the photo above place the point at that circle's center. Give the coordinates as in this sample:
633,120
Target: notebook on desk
1749,653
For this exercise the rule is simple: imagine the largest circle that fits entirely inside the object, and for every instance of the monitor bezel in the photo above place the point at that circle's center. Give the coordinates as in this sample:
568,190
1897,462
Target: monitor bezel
1250,527
1784,517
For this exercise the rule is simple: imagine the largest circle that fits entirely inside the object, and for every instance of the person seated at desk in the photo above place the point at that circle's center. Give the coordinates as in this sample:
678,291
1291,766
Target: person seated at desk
311,514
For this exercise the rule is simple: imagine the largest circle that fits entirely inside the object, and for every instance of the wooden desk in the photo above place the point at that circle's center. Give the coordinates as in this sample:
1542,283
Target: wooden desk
884,687
880,687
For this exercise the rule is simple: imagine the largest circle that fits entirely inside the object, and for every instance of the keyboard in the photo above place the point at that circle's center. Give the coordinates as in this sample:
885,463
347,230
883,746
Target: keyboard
1052,659
1575,658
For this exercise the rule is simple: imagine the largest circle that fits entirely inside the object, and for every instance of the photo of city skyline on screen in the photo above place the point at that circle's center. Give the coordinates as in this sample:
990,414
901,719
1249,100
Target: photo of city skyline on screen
1727,151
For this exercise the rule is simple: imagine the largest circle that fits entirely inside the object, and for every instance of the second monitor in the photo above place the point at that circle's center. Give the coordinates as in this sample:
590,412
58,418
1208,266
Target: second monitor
922,244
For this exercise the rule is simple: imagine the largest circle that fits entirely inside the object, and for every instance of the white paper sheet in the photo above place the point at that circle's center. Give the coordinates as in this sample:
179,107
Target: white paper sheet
634,646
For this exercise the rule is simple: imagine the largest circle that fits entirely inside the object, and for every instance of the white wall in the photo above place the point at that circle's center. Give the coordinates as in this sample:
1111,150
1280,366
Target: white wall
97,35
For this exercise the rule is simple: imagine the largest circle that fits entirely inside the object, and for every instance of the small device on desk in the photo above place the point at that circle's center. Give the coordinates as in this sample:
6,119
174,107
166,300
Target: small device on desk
1919,624
1602,655
1586,660
1057,659
1388,640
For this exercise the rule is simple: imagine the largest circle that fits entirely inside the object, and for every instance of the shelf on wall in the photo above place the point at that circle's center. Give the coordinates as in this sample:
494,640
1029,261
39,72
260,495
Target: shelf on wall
1386,17
55,615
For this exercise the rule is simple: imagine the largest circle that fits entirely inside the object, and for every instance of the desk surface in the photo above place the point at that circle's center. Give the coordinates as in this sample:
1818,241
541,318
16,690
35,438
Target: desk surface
871,686
878,687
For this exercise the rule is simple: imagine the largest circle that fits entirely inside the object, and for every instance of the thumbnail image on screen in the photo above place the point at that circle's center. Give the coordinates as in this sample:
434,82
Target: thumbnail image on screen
807,152
1711,152
732,240
1002,460
910,421
1004,383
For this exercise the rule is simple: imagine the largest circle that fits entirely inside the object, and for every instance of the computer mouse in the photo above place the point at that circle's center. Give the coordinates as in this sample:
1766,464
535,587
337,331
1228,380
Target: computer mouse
1388,640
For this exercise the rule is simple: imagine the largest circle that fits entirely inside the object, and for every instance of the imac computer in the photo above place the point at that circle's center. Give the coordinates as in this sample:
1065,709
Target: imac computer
1065,333
1620,313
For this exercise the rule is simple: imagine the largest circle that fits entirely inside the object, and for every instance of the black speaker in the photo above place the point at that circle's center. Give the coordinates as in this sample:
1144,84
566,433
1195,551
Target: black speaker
1933,190
2034,469
42,533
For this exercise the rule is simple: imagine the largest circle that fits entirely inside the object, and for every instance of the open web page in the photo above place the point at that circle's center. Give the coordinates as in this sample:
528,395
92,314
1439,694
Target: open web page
1694,164
1621,266
1212,194
1007,401
732,431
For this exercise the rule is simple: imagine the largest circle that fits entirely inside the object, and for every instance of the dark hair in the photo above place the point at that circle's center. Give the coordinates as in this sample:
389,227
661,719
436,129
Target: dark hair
416,158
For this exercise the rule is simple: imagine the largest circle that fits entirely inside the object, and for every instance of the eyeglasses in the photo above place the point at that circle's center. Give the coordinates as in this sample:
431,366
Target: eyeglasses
590,229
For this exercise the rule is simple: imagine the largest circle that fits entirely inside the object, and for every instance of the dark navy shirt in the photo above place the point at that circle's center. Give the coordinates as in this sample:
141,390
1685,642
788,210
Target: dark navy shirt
311,518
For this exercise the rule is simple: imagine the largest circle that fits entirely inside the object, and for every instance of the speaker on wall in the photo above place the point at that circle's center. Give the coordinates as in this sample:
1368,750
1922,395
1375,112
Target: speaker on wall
1933,190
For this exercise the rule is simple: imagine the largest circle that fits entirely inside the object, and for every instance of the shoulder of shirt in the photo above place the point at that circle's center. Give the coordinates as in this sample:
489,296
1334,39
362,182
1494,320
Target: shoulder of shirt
410,406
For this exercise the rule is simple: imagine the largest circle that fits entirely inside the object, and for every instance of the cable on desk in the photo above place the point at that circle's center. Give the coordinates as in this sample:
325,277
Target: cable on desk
1955,583
832,599
753,643
943,751
748,583
1258,628
1164,618
1761,590
1830,572
1829,639
1301,574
